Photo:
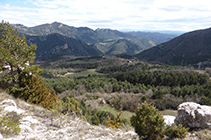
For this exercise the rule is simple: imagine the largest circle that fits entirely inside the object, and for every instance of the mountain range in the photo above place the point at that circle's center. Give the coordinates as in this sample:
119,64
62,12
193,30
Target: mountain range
51,38
59,39
188,49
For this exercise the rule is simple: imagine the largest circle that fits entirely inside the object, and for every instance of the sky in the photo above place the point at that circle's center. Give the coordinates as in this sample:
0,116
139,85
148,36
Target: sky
127,15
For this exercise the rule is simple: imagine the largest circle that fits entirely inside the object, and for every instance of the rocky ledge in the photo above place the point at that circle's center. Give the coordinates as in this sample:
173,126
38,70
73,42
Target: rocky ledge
39,123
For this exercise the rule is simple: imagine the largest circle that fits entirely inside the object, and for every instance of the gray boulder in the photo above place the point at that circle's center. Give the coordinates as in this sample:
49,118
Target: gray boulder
194,115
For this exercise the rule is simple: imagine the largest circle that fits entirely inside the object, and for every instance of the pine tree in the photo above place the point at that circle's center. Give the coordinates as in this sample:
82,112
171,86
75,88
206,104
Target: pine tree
17,72
15,56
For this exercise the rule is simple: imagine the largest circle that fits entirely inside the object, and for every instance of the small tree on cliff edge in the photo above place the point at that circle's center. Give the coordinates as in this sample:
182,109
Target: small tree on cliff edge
16,70
15,56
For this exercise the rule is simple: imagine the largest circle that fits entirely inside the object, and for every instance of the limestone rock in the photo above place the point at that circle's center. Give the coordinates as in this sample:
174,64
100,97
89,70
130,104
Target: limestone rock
1,137
194,115
169,120
38,123
10,106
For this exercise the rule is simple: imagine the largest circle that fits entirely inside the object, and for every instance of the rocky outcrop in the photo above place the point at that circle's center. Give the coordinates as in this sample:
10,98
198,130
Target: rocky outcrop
38,123
169,120
194,115
1,137
10,106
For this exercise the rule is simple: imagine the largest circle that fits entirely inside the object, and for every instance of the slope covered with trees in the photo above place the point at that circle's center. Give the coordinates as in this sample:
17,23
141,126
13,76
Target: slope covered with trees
187,49
56,44
124,46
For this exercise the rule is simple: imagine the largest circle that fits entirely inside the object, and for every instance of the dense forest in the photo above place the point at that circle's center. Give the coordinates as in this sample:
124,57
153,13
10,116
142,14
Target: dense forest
180,85
125,83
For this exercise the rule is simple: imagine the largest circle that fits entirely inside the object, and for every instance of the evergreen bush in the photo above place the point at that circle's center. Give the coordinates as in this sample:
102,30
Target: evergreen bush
148,122
175,131
33,90
9,124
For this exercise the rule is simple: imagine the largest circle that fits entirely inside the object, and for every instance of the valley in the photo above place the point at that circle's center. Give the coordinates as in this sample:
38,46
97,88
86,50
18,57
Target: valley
115,81
102,76
89,78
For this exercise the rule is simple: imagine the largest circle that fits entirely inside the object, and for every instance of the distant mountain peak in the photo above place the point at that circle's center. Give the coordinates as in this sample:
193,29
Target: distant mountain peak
55,22
58,24
18,26
84,28
106,30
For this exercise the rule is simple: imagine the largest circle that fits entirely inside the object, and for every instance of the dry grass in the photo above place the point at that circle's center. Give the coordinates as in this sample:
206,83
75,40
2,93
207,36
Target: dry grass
169,112
4,95
125,114
203,134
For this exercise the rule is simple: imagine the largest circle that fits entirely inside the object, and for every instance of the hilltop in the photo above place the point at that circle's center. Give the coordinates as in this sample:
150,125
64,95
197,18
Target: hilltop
187,49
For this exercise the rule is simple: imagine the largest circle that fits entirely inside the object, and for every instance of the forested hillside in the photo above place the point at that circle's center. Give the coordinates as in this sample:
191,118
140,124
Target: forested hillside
188,49
56,44
124,46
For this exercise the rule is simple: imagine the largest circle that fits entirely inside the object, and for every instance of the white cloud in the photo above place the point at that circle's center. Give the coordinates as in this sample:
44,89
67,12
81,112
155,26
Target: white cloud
116,14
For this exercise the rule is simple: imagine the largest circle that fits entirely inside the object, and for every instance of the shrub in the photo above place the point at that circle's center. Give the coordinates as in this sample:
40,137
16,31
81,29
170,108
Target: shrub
148,122
33,90
168,102
175,131
116,123
67,105
64,107
95,120
95,116
71,105
9,124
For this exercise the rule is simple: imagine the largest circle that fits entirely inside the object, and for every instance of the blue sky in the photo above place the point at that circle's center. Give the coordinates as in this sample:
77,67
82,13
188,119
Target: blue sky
138,15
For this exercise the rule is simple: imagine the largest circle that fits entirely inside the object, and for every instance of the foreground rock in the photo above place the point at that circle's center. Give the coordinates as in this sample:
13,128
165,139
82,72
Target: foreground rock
194,115
38,123
169,120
